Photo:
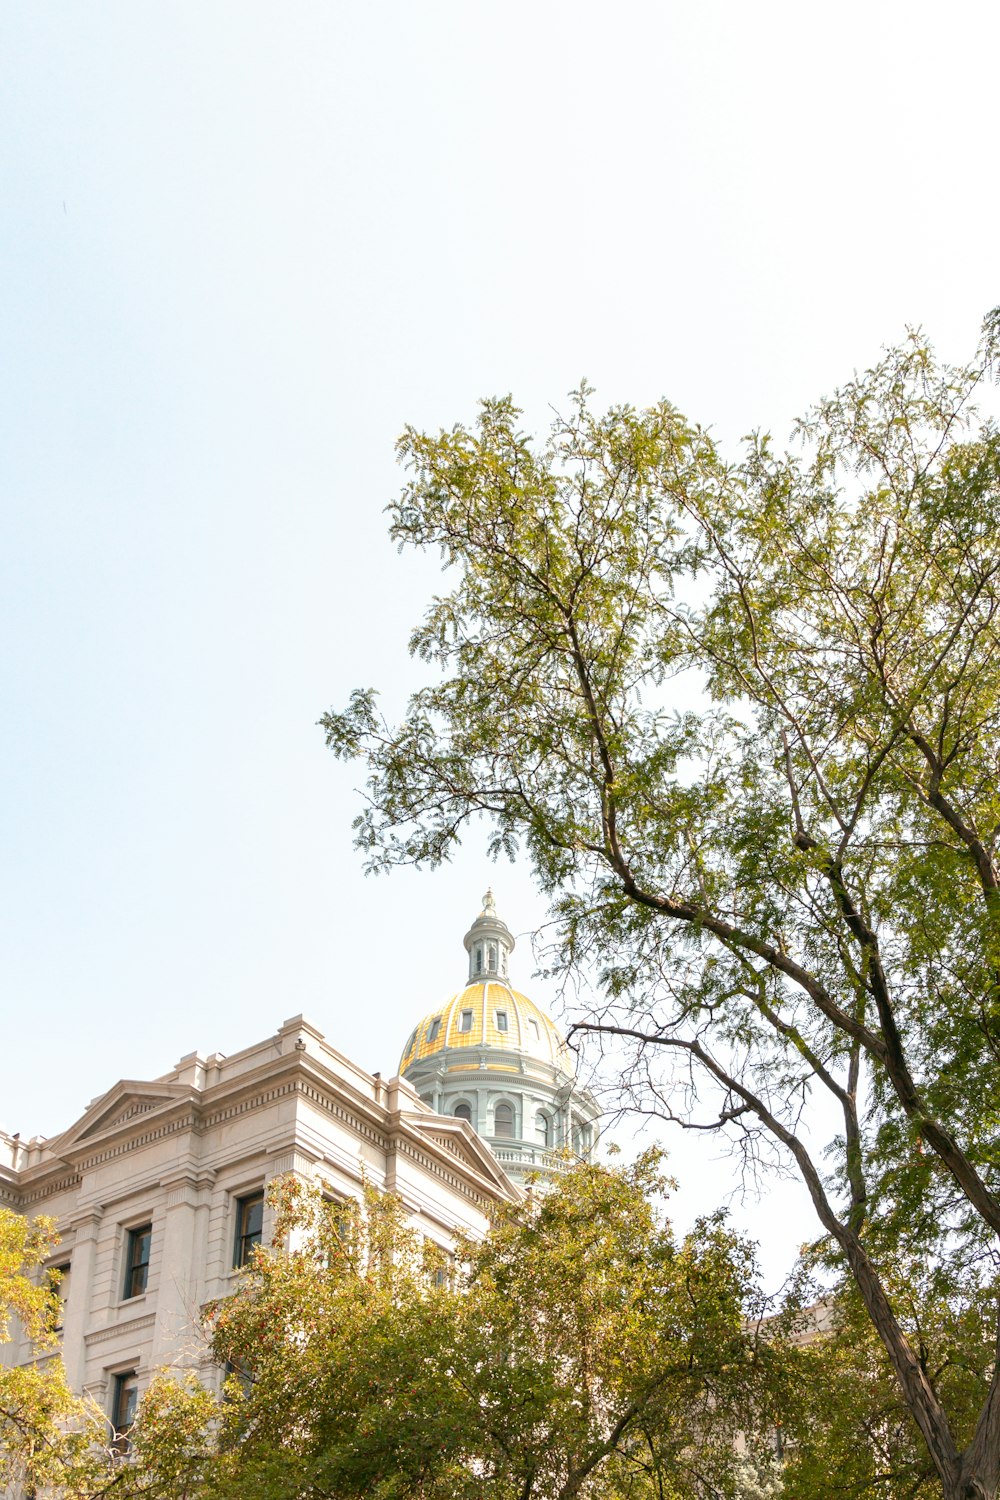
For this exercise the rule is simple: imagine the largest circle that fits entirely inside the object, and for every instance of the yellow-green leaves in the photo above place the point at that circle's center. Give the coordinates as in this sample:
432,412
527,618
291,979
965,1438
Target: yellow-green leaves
743,719
579,1350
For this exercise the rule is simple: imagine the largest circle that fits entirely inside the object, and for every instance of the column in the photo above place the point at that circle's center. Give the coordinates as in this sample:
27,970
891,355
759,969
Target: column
78,1315
299,1163
178,1338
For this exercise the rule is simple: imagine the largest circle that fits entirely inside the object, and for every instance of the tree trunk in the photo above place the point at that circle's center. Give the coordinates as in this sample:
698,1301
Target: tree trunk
980,1471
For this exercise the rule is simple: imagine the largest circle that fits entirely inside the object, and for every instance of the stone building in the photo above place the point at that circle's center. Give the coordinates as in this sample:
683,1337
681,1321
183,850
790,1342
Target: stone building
159,1189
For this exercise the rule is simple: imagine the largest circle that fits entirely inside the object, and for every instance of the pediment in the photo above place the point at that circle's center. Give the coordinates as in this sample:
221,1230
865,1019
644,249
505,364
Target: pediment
123,1104
454,1138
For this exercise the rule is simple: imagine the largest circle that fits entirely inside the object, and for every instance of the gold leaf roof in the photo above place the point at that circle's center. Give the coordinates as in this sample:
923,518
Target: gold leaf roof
484,1005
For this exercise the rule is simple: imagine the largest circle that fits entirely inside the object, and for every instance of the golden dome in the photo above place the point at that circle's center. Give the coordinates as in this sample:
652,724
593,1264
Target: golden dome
488,1013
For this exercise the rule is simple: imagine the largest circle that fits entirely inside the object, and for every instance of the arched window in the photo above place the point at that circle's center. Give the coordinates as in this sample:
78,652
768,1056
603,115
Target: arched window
463,1112
479,958
503,1122
542,1129
493,958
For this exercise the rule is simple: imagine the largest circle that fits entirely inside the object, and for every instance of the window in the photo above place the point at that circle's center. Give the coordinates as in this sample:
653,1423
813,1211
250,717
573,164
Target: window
503,1122
534,1028
542,1129
124,1400
242,1376
409,1045
463,1112
137,1261
501,1020
435,1027
249,1224
493,958
479,958
465,1024
58,1277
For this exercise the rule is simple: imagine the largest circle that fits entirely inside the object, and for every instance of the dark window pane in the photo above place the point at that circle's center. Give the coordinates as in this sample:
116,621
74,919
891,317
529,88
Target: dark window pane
463,1112
59,1279
501,1020
123,1405
243,1376
503,1122
137,1260
249,1224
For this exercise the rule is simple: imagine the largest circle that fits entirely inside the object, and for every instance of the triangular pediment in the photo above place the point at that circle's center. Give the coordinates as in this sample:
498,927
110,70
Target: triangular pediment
125,1103
462,1144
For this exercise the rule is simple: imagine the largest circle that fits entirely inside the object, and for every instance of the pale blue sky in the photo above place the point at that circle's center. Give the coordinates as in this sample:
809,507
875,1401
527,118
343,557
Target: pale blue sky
242,245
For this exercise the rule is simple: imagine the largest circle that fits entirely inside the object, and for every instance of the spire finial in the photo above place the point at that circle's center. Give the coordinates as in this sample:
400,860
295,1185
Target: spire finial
489,904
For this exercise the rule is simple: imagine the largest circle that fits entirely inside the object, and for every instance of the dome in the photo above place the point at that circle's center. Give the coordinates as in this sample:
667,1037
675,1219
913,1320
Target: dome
487,1014
492,1058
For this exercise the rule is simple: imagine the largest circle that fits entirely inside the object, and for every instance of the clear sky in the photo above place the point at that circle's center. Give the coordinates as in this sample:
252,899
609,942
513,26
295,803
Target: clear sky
242,245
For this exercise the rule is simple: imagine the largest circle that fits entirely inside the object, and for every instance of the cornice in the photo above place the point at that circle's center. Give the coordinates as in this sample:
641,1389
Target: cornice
49,1185
281,1077
10,1193
133,1326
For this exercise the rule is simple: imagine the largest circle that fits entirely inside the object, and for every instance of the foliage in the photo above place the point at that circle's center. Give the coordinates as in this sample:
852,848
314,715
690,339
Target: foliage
744,719
170,1448
51,1441
45,1435
579,1350
850,1432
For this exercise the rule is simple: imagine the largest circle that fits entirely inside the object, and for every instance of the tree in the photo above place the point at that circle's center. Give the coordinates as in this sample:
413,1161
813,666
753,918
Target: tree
789,888
51,1441
850,1432
45,1438
579,1350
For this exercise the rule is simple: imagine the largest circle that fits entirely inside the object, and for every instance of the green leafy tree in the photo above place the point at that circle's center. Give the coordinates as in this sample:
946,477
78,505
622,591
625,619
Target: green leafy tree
41,1441
744,720
52,1442
849,1431
579,1350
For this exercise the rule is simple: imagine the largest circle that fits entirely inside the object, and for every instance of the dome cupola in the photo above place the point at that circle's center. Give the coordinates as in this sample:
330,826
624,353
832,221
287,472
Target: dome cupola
489,943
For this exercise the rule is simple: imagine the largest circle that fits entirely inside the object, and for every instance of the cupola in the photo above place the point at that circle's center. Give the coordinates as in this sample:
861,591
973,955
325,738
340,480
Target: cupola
489,943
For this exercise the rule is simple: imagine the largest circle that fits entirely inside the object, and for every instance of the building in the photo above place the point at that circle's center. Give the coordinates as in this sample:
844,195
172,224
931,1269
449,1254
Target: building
159,1189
